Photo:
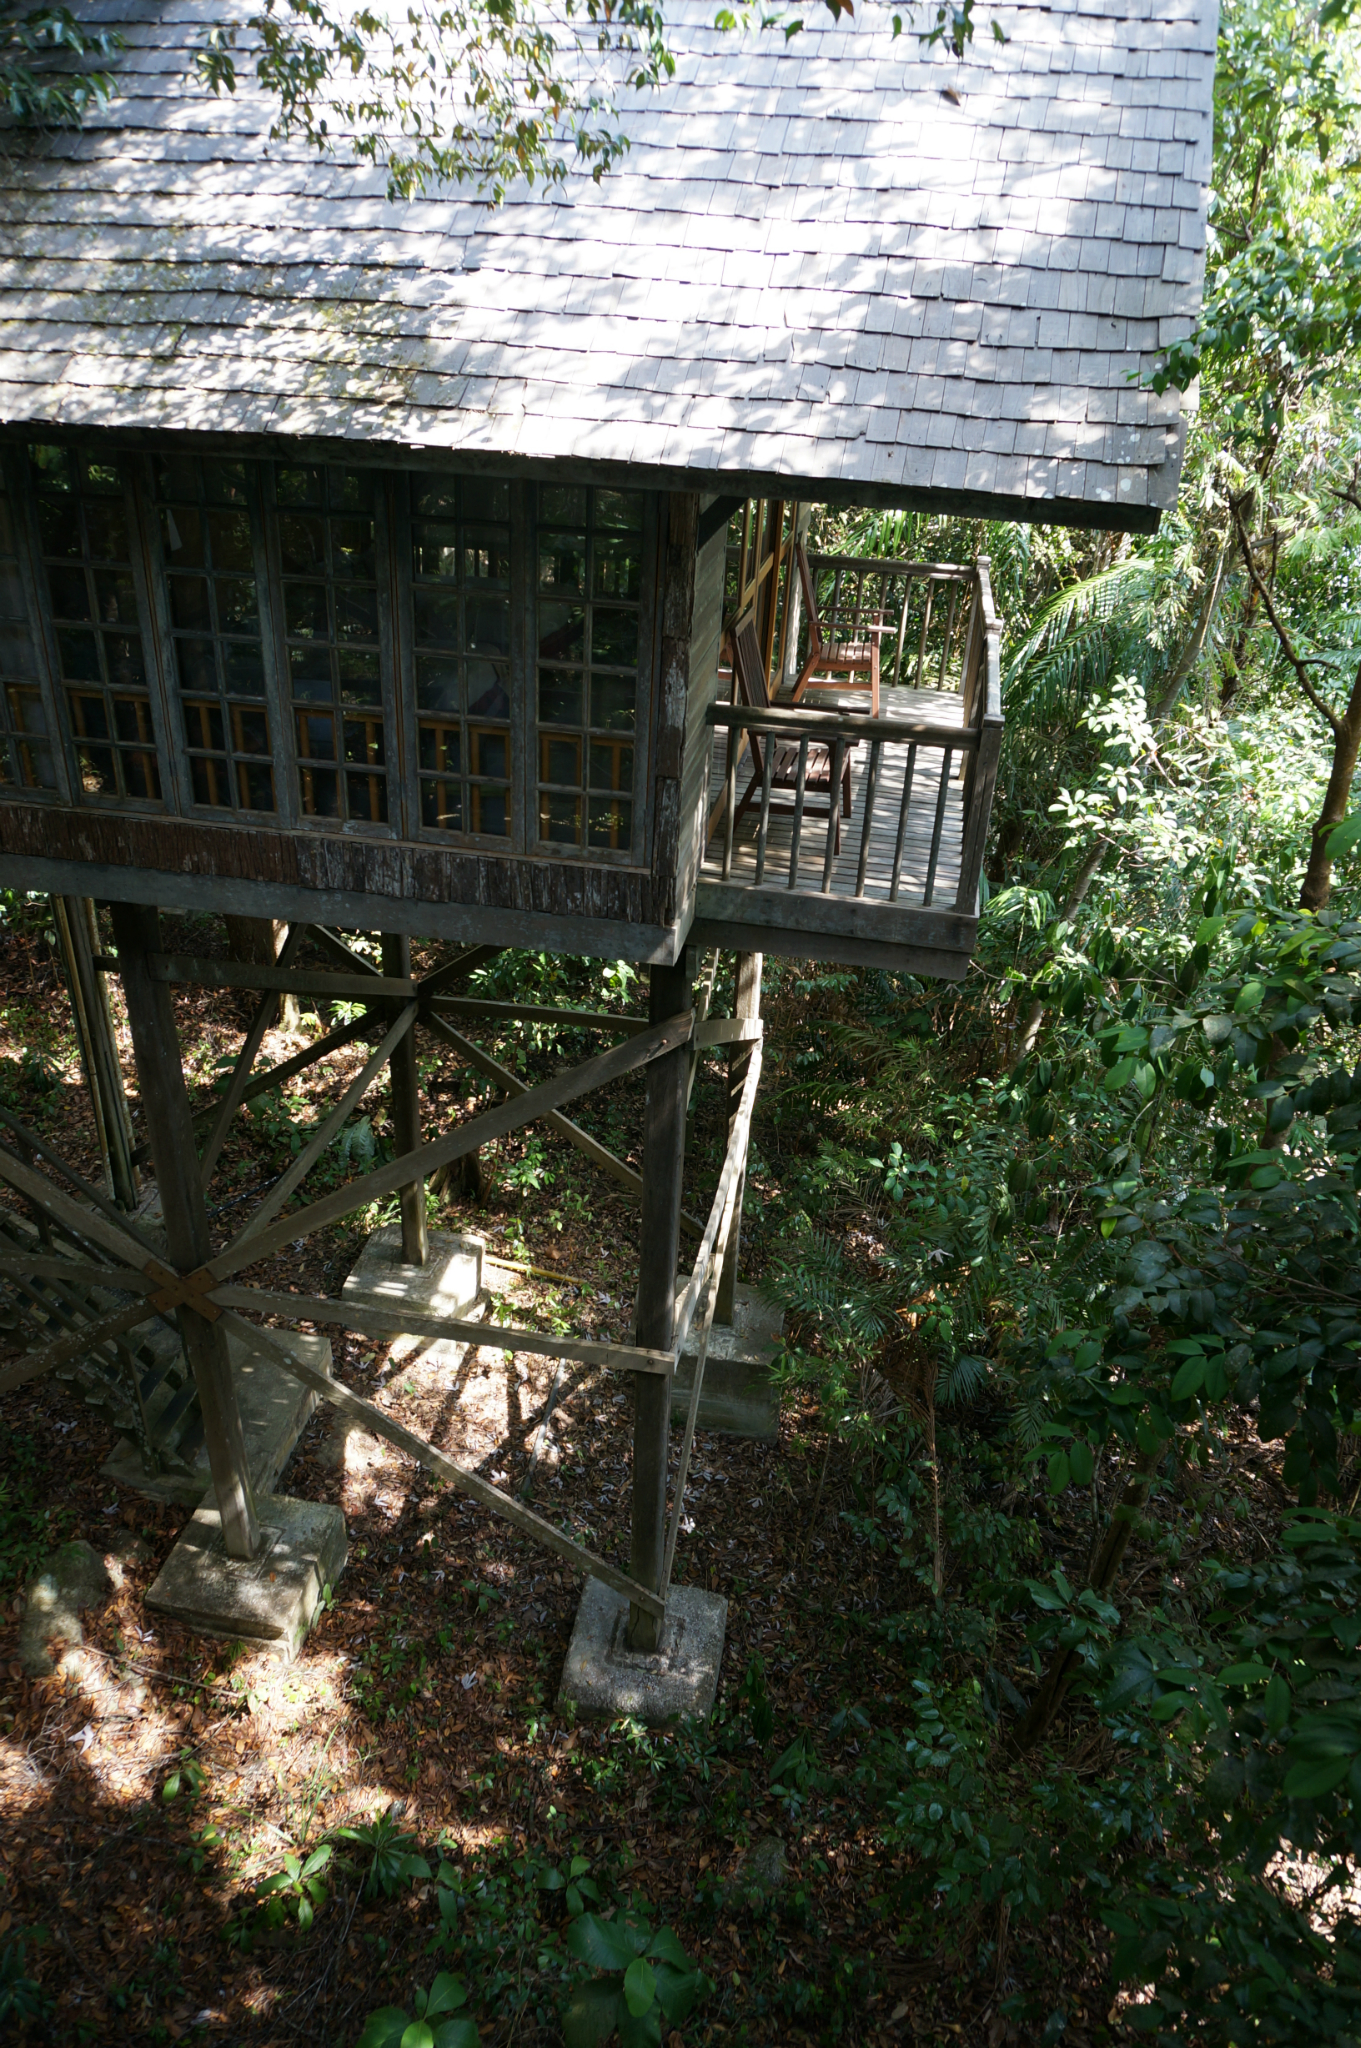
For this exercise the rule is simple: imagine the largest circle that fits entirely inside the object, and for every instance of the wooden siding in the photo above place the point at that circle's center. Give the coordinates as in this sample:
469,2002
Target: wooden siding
563,906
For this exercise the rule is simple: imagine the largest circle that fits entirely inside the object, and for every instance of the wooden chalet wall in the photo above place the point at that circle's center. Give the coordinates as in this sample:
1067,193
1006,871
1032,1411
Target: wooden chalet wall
63,830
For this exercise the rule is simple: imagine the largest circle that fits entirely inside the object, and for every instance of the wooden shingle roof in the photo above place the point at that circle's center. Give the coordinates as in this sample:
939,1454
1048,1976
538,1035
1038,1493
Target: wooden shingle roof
814,271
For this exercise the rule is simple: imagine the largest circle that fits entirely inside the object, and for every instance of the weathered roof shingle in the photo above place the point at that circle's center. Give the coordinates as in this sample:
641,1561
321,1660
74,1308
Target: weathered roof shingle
813,269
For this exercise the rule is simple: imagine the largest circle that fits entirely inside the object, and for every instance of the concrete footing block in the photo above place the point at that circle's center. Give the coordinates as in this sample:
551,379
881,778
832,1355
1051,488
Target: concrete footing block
269,1601
604,1677
737,1397
275,1410
448,1284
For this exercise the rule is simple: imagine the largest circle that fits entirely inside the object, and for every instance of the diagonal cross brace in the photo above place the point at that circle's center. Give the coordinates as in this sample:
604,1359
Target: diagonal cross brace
478,1489
494,1123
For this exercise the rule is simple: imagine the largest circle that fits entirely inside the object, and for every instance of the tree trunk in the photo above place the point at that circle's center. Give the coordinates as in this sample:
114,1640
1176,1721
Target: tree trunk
1191,653
257,942
1318,876
1077,896
1105,1568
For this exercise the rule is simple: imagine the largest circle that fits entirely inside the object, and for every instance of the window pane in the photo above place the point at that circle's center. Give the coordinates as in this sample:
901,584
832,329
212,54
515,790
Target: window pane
590,576
88,563
328,564
25,749
460,562
210,538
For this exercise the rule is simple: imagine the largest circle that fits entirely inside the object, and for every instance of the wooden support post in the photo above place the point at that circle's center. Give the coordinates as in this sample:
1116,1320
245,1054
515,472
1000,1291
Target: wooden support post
659,1240
74,919
165,1104
406,1109
739,1060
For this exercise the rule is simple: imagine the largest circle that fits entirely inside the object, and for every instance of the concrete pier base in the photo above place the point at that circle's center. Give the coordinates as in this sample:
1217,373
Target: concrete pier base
737,1397
603,1677
268,1602
448,1284
275,1410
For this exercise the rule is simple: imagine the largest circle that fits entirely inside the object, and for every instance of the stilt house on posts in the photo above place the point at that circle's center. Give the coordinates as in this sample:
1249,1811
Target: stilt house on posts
433,568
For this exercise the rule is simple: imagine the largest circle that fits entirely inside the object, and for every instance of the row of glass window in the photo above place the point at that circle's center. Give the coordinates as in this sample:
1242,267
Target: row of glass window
215,561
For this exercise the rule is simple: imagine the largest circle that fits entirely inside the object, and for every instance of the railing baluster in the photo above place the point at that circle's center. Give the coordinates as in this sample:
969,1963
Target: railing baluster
829,852
800,791
871,788
926,627
902,628
903,810
949,636
730,799
947,756
767,768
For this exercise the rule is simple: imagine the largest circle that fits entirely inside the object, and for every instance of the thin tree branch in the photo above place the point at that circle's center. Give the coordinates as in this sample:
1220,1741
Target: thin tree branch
1297,662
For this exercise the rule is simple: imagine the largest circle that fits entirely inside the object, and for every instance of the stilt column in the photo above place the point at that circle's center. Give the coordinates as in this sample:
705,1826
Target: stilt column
74,919
739,1060
170,1133
663,1162
406,1111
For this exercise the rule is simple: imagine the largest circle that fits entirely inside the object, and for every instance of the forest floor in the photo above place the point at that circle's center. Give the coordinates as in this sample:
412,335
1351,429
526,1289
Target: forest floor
146,1793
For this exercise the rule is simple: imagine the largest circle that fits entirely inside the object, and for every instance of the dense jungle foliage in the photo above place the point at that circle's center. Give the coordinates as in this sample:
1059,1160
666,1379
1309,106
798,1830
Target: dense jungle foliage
1077,1253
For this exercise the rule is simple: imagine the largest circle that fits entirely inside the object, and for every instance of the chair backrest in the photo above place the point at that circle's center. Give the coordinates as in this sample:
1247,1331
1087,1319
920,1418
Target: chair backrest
750,671
816,638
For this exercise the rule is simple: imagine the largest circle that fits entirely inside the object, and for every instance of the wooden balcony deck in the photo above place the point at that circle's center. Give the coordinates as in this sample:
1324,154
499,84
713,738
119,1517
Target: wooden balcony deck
901,888
925,707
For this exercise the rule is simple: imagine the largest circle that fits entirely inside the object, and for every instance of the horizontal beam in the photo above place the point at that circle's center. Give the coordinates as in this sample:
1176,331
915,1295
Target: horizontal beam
392,1322
504,1504
794,722
811,913
291,981
420,1164
531,1013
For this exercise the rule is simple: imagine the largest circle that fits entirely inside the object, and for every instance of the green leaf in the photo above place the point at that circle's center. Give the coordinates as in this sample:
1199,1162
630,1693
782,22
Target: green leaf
1189,1380
1244,1674
383,2029
591,2017
640,1987
1343,837
665,1948
1081,1463
460,2033
304,1913
1120,1074
605,1944
1311,1781
318,1860
1249,998
1276,1704
1059,1470
446,1994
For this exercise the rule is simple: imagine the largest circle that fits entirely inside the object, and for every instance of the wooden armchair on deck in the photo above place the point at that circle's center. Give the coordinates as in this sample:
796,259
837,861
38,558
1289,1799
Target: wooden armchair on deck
749,671
833,664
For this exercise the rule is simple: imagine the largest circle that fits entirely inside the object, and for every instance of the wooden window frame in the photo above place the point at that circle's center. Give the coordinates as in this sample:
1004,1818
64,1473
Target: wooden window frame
394,581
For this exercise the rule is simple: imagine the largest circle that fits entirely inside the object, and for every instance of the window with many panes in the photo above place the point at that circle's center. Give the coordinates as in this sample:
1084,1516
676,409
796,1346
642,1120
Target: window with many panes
217,652
87,554
25,745
590,574
460,593
328,569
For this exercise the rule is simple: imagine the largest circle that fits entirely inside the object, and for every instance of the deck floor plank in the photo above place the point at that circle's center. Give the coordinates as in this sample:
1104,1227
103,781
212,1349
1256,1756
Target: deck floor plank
933,707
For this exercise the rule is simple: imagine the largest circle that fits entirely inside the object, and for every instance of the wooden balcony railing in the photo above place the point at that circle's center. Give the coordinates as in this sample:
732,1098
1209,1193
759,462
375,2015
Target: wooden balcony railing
908,826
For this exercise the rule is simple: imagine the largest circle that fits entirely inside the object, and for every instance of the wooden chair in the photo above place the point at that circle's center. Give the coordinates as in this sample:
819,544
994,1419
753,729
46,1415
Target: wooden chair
749,670
832,664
